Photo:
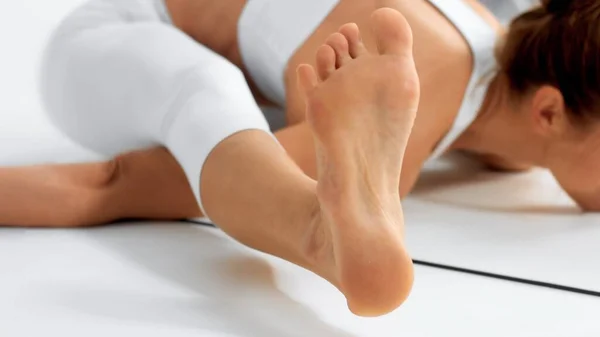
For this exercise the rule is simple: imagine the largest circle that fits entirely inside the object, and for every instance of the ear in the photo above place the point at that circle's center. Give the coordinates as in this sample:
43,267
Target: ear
548,111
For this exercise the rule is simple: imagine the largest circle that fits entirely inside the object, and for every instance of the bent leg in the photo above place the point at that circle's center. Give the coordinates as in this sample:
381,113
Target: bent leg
146,184
116,86
348,228
116,82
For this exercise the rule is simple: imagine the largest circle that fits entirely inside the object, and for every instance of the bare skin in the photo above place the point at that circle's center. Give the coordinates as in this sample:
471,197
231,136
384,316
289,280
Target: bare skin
352,235
77,195
347,226
79,188
339,108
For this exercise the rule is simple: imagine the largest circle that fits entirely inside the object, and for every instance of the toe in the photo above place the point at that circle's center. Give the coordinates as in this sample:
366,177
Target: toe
339,43
307,78
392,32
325,62
352,34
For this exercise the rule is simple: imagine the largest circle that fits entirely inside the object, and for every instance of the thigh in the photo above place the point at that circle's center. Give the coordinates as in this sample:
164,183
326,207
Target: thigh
119,79
214,24
114,73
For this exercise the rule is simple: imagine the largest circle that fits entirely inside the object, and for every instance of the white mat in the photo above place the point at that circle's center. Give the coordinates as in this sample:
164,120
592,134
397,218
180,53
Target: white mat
179,280
519,225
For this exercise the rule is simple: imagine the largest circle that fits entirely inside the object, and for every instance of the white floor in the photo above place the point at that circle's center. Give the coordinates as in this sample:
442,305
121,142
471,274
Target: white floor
519,225
184,280
181,280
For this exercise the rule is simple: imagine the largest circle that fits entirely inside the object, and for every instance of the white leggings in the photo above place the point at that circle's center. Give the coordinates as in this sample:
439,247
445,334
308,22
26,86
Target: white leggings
118,77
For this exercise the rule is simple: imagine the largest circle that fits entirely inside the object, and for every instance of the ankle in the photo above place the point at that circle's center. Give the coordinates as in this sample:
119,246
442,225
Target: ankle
362,204
317,246
360,183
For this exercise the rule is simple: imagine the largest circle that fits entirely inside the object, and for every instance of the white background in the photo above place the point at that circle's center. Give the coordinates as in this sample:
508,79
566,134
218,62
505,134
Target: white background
183,280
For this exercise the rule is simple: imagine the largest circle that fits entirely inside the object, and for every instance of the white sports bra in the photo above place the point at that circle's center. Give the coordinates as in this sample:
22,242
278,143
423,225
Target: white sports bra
266,48
482,40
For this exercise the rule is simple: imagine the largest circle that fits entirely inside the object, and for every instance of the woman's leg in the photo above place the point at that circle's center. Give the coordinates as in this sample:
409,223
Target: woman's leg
116,84
145,184
347,229
55,195
115,79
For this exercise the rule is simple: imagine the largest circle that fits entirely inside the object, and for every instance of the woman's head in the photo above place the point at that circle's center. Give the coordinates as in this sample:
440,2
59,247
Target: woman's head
558,45
550,61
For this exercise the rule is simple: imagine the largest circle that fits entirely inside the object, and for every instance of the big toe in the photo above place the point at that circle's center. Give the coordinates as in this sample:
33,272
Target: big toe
392,32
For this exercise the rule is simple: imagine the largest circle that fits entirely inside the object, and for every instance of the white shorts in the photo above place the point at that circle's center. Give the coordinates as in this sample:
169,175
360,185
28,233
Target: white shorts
116,77
270,31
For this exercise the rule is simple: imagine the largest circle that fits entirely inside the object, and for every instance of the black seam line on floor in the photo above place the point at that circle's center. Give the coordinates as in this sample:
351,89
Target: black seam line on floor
509,278
481,273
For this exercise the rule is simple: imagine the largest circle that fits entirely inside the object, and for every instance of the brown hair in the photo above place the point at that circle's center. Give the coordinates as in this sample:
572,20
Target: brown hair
557,44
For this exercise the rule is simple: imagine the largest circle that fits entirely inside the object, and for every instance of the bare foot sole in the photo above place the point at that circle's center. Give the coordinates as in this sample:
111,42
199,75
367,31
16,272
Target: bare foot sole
361,107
